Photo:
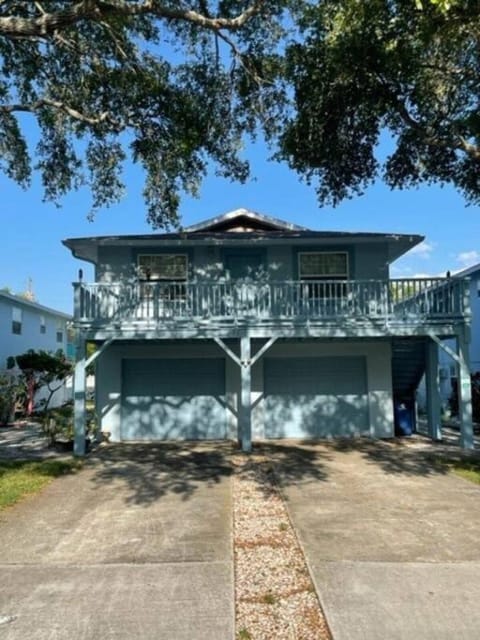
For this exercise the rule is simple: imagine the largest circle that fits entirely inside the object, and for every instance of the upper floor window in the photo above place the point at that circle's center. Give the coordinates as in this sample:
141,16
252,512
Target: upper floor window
316,265
16,320
163,266
60,331
43,325
318,269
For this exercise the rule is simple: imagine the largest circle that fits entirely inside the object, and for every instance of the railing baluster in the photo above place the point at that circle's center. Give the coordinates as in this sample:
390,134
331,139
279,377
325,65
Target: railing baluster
402,299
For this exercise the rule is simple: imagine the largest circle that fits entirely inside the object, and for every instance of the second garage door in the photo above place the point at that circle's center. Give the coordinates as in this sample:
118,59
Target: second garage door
315,397
171,399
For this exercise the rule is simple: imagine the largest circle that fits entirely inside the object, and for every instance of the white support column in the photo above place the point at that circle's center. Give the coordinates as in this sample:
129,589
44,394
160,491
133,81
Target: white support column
464,393
433,391
79,409
245,413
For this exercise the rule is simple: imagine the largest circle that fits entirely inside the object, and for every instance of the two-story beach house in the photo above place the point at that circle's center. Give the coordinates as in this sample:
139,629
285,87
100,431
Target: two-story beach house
25,325
248,327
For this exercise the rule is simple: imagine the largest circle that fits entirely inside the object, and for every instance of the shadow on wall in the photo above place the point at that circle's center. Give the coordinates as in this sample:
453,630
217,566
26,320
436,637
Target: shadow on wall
316,416
174,418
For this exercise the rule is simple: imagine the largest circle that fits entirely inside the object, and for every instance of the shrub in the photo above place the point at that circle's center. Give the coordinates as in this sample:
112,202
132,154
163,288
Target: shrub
453,401
58,423
12,392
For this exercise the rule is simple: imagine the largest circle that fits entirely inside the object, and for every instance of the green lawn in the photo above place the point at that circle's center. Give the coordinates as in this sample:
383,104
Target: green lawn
19,478
468,469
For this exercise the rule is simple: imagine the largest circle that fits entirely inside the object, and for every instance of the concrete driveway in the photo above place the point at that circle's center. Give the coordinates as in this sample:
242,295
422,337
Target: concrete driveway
392,540
137,545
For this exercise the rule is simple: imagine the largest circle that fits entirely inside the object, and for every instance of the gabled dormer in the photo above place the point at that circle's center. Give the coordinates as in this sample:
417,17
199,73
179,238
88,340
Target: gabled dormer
243,221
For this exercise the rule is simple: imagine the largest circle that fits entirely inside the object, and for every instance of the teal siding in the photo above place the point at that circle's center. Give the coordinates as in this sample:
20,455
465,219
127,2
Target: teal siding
115,264
371,262
366,260
244,263
173,399
315,397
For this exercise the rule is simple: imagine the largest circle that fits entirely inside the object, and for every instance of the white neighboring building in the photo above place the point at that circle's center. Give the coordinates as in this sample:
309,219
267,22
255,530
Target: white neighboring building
28,325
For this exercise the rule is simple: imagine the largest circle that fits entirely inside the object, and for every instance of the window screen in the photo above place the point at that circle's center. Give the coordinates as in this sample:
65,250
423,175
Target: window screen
167,266
323,265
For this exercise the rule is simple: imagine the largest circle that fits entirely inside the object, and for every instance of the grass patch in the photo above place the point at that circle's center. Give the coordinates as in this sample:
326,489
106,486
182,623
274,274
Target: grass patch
468,469
269,598
19,478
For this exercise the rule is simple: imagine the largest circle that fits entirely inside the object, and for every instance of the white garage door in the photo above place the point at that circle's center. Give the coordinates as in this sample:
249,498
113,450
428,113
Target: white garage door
315,397
173,399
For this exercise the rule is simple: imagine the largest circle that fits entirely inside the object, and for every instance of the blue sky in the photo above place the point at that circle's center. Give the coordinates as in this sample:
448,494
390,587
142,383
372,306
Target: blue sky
32,230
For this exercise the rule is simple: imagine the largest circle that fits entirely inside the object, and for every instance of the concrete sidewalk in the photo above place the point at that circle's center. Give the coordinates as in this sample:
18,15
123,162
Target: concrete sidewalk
137,545
391,539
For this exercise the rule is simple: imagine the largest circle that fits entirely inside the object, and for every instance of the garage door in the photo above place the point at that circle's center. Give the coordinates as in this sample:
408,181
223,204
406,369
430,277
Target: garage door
315,397
173,399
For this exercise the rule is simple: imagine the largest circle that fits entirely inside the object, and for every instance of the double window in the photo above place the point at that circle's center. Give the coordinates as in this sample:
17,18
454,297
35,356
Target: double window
320,271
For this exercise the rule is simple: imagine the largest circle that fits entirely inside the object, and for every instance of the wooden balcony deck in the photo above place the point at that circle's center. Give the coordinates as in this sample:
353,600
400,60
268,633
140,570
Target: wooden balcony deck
166,307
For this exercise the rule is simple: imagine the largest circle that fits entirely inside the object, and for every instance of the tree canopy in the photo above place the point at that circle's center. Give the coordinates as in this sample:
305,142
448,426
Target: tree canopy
175,87
171,85
409,68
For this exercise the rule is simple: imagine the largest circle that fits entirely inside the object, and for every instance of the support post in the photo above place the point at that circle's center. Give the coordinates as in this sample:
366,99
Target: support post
433,393
246,395
79,408
464,393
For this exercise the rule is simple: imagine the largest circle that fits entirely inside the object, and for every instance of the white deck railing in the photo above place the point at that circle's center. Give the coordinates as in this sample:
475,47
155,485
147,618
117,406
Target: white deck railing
319,300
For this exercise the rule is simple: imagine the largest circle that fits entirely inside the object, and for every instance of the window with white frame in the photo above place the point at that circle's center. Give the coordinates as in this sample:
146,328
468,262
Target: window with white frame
43,325
16,321
320,270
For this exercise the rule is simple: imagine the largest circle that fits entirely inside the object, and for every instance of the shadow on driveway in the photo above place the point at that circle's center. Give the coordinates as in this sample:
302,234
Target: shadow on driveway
149,472
415,457
152,471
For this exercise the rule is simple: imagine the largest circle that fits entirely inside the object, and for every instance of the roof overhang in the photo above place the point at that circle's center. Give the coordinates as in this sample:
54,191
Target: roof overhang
40,308
398,244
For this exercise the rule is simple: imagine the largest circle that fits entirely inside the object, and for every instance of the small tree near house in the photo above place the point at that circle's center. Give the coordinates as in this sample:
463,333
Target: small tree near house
42,370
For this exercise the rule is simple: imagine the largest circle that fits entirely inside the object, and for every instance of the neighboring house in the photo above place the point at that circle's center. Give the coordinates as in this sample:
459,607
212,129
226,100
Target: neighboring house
28,325
447,367
248,327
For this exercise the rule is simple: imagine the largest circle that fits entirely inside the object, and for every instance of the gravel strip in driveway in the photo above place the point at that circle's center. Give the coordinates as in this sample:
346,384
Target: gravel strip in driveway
275,596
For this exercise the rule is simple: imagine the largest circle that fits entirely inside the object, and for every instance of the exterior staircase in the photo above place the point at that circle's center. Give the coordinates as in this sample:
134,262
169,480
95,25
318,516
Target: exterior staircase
408,366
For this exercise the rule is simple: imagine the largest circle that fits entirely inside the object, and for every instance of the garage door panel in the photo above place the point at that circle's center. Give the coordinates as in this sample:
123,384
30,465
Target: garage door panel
315,397
173,399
